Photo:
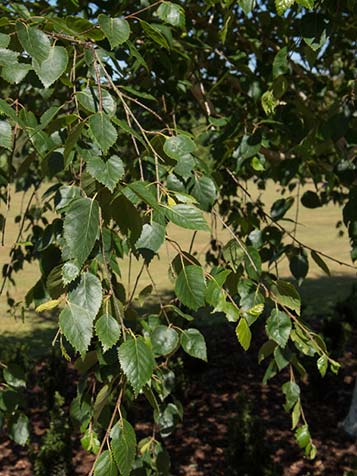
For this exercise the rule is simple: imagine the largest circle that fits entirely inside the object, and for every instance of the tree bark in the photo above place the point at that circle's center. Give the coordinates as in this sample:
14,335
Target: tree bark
350,422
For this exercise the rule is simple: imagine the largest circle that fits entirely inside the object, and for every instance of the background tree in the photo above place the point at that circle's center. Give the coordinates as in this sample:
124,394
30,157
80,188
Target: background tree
138,115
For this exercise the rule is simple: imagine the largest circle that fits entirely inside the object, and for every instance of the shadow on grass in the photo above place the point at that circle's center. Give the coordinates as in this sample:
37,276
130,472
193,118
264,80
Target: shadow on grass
36,332
321,294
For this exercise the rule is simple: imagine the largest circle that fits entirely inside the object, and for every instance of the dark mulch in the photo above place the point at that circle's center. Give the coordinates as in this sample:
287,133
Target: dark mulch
198,446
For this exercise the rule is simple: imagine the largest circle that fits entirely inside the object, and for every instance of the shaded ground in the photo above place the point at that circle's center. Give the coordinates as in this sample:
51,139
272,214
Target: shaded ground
209,395
198,448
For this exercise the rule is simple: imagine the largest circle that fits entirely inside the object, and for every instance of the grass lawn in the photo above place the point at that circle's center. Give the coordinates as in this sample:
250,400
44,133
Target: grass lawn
316,228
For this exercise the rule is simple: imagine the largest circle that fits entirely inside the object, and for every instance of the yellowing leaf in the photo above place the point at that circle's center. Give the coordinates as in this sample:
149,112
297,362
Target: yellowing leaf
244,334
171,202
47,306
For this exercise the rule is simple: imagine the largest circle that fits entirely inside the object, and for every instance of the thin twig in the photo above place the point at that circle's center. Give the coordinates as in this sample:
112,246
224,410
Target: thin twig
331,258
110,425
144,106
297,210
162,306
97,75
133,15
136,283
142,130
192,241
235,237
108,275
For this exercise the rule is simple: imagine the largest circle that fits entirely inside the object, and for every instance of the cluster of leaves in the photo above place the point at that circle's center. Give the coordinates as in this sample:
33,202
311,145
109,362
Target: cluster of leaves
141,117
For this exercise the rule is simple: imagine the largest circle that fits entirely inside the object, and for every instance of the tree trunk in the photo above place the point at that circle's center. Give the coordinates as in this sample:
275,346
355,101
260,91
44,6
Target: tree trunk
350,422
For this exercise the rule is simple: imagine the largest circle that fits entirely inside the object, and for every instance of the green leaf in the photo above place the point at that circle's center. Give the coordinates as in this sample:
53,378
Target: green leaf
244,334
270,372
335,366
88,98
306,3
140,94
291,391
269,103
108,331
295,415
249,147
70,271
105,465
66,195
53,66
102,396
107,173
14,376
11,113
90,441
194,344
145,192
35,42
228,308
5,135
76,26
204,190
102,130
282,5
286,295
81,227
214,287
154,32
190,287
164,340
280,207
8,57
72,140
172,14
253,313
247,5
302,342
187,216
322,364
76,319
258,163
178,311
278,327
299,265
302,435
48,116
178,146
126,217
184,166
4,40
14,74
320,262
266,349
282,358
152,237
252,262
280,63
166,419
233,253
19,430
137,361
117,30
123,444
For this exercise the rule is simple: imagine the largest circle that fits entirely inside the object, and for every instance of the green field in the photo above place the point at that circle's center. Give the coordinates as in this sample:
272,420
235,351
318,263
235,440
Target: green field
316,228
